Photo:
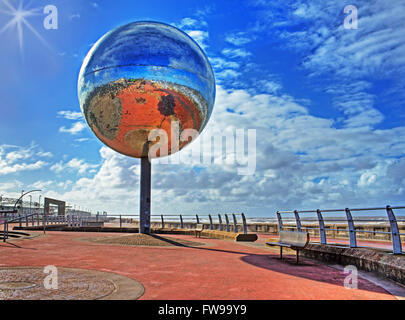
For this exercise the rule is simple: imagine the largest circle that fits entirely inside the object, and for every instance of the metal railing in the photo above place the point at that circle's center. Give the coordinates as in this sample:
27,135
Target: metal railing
28,218
297,219
225,222
237,223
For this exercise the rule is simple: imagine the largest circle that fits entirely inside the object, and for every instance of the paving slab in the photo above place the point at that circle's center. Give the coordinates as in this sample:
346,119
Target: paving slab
221,269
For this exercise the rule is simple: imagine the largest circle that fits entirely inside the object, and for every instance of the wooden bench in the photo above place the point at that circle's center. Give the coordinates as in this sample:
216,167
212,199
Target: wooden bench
296,240
199,228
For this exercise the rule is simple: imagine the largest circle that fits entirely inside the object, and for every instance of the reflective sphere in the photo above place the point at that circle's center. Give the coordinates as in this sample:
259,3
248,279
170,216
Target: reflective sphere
143,76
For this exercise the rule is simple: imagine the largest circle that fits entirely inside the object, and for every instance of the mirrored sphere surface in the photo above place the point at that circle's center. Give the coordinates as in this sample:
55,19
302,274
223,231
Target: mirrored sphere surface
144,76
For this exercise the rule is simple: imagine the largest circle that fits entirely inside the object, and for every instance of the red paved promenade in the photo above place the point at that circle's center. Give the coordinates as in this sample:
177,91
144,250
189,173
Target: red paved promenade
219,270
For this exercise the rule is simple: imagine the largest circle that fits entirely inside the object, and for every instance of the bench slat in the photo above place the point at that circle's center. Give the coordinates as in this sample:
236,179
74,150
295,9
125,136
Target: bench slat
278,244
294,238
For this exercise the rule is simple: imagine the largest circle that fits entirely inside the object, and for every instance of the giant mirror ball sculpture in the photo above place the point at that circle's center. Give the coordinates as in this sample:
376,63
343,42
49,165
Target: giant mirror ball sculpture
140,77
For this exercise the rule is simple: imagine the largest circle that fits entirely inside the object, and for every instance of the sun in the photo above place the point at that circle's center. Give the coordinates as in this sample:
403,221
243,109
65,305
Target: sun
19,21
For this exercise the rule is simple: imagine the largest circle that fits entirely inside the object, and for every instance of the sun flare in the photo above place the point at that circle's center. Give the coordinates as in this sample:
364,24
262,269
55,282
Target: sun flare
19,21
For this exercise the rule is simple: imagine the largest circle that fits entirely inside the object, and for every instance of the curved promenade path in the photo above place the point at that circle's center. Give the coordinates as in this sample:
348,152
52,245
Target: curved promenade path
220,269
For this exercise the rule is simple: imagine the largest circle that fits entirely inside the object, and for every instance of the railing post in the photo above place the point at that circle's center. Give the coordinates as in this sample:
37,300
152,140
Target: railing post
244,223
280,221
220,222
198,219
97,217
5,233
322,232
227,222
181,222
211,225
352,229
298,220
32,220
37,218
20,221
163,221
396,238
120,222
26,220
235,223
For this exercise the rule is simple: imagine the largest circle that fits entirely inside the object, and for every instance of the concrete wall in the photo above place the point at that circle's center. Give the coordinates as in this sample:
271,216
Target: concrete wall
384,263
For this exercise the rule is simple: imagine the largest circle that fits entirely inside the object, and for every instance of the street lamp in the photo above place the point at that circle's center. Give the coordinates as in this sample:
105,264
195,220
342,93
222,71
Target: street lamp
22,195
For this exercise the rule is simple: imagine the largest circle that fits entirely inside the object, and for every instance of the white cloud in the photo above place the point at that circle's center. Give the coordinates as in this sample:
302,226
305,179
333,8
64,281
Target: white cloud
220,63
75,164
269,86
236,53
352,58
70,115
190,23
44,154
41,185
238,39
74,129
14,159
7,168
199,36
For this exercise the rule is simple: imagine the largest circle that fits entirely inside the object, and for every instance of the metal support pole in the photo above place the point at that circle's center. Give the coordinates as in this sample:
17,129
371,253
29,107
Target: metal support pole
120,222
322,232
26,220
37,219
220,222
227,222
235,223
244,223
396,238
298,220
163,221
197,218
211,225
5,233
44,221
352,229
181,222
144,214
280,221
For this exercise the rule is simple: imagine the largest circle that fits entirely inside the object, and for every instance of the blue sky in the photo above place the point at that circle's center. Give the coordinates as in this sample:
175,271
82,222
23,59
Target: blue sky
326,103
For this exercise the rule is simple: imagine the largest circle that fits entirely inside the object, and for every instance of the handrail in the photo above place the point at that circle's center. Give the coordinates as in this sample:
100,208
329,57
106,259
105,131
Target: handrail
351,223
182,219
